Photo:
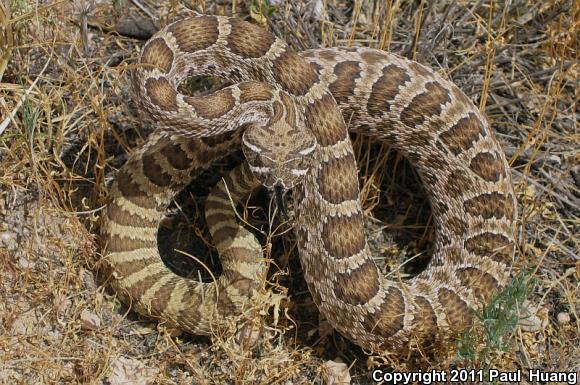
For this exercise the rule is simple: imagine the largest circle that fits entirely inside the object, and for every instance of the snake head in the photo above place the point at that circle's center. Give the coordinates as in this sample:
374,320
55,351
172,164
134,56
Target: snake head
279,155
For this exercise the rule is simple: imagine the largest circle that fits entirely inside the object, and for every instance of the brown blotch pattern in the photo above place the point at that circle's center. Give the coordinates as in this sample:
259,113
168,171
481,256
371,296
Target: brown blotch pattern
158,54
496,246
483,284
120,244
458,182
337,179
176,157
343,236
131,190
213,105
195,34
490,205
425,105
326,54
213,219
385,89
346,75
143,285
487,166
463,134
372,58
251,91
425,317
457,312
154,171
389,318
294,73
163,295
357,286
225,233
248,40
324,120
239,282
242,254
162,93
118,215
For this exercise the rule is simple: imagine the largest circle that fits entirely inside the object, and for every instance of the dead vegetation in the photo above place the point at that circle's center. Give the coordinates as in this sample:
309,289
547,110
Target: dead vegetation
67,124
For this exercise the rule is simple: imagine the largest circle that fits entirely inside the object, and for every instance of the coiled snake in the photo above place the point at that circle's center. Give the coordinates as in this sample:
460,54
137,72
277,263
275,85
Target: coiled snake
288,111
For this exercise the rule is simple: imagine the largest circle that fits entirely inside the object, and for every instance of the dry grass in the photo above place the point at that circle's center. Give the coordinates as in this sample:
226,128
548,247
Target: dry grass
69,126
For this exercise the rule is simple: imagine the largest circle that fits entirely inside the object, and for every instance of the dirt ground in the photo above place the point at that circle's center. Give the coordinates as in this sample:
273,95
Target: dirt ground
67,123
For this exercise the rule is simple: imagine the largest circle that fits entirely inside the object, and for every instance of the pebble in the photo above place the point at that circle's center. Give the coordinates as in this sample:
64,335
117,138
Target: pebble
563,318
89,320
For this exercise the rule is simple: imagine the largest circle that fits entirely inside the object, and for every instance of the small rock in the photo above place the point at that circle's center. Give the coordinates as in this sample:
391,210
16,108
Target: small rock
335,373
8,240
128,371
135,26
25,263
26,323
89,320
556,159
316,9
563,318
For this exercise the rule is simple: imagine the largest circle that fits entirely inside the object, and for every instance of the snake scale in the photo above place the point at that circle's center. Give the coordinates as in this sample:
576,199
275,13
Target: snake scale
291,112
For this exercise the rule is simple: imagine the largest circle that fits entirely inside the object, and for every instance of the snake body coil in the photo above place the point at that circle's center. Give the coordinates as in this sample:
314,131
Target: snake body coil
389,98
